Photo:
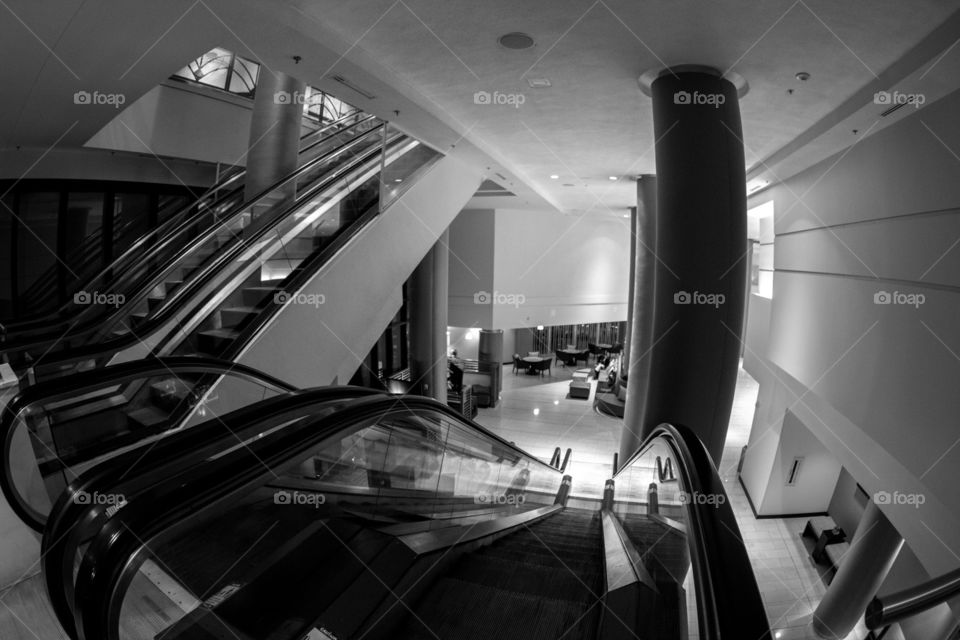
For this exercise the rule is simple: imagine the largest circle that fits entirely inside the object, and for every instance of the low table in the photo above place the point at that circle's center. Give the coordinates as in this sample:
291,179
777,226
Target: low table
580,389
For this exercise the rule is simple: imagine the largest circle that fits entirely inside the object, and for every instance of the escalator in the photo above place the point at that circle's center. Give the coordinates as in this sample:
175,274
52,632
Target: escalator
341,513
193,239
212,297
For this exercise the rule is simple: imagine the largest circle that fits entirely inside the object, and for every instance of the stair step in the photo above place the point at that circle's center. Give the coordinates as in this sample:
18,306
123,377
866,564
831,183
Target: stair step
214,341
234,317
255,296
153,302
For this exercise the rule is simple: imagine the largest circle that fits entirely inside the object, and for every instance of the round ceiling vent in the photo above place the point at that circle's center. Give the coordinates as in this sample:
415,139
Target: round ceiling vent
517,41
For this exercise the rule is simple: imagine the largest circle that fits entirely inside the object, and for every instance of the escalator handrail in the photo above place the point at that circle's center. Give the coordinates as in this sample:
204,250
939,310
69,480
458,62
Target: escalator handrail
112,559
55,328
729,605
90,380
72,523
210,270
886,610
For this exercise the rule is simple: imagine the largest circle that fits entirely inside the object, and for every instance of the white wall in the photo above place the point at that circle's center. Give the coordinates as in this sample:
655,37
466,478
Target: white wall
815,480
180,121
471,268
568,269
875,383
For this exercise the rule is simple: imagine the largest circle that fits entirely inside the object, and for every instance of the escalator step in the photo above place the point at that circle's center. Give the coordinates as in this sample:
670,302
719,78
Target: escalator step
464,611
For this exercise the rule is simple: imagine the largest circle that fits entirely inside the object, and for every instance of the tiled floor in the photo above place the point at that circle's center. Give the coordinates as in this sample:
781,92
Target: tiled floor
537,414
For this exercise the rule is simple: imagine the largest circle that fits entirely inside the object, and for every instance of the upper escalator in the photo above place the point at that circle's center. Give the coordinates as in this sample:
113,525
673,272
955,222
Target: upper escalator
212,297
383,517
131,272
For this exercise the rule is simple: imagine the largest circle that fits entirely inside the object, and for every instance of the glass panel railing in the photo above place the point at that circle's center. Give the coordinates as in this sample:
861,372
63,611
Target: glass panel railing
54,431
674,510
329,494
398,176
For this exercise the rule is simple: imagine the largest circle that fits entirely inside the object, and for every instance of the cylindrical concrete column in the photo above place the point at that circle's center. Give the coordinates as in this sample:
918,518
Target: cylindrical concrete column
642,280
274,130
427,297
696,305
873,550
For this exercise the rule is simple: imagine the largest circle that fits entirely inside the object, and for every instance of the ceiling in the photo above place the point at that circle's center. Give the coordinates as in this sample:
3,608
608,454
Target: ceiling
426,59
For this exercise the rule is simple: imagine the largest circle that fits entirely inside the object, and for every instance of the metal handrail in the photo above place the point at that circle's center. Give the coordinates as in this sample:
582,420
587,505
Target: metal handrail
886,610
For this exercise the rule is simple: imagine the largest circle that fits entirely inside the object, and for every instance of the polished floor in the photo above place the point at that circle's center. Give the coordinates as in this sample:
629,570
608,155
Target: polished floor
537,414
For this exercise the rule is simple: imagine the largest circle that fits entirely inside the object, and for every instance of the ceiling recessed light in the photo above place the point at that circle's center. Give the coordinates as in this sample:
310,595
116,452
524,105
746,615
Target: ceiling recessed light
556,402
398,179
538,83
516,41
612,178
536,412
626,215
554,177
802,76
